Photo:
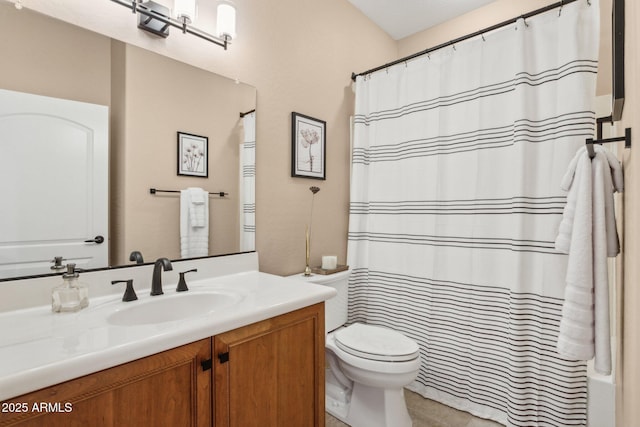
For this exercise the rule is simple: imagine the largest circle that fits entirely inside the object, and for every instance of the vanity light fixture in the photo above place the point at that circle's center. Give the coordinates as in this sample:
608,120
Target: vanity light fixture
157,19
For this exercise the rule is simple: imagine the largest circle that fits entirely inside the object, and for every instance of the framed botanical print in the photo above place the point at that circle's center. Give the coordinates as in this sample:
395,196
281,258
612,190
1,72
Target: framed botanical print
193,155
308,147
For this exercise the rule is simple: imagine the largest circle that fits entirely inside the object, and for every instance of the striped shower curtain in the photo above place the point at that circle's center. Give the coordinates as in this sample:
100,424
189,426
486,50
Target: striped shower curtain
455,204
248,184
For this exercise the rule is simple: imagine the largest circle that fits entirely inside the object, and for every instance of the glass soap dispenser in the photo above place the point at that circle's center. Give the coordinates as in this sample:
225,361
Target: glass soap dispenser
71,295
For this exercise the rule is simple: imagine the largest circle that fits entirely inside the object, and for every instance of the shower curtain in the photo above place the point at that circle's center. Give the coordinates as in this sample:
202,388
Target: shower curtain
248,184
455,204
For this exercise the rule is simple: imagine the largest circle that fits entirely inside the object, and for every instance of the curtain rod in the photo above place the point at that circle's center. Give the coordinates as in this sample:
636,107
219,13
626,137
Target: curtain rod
466,37
248,112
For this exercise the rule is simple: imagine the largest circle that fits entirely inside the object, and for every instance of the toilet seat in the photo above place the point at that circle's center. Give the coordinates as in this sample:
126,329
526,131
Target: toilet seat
376,343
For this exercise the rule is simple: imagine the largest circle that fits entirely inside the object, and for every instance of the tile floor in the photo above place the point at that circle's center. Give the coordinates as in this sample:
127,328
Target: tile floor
428,413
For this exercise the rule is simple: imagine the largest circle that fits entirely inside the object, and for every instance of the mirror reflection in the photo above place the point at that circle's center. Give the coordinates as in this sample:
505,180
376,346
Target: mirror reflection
151,100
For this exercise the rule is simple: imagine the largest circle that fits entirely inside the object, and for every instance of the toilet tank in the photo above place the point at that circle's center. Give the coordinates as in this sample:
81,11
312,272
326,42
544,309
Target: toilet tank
335,309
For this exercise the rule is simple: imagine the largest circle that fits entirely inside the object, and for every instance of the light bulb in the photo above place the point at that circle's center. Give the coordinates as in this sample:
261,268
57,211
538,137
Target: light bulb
185,10
226,21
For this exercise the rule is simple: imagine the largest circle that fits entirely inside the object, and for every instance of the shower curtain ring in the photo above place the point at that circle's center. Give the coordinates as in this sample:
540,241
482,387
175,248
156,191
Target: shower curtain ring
483,39
560,10
526,24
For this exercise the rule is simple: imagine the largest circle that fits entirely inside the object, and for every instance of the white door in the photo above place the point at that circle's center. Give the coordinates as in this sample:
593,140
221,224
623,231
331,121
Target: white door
53,183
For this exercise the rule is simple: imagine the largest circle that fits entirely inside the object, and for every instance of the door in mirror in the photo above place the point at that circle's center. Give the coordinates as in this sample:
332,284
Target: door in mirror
59,149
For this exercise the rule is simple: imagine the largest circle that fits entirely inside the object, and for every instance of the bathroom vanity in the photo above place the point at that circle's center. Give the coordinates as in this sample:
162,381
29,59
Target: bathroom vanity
267,373
258,360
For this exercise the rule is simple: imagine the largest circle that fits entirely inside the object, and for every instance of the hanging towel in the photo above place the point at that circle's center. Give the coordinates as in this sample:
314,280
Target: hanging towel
602,188
588,234
194,240
614,183
575,340
197,208
563,239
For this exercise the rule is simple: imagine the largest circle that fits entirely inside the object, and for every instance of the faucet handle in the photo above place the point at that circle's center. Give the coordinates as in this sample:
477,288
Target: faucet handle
182,284
57,263
137,257
129,293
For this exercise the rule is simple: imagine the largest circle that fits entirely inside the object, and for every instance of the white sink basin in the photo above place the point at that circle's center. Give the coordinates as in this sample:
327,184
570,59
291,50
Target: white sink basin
167,308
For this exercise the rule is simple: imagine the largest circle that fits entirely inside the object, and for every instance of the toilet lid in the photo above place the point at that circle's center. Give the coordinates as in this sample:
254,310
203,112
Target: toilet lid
376,343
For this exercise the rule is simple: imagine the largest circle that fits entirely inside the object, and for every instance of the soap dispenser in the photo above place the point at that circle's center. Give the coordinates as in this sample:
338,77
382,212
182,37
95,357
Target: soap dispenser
71,295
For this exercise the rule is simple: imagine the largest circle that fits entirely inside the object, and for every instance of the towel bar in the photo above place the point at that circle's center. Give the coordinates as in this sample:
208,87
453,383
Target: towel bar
211,193
626,138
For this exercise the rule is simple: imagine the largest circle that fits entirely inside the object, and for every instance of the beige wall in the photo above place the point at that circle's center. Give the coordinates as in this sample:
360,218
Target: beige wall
117,160
484,17
629,365
74,64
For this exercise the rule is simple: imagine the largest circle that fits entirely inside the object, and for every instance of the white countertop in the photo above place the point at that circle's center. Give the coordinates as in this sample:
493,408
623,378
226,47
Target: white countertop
39,348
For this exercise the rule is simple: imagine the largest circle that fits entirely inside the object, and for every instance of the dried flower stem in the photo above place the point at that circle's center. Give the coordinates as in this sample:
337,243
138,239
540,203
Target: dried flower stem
307,270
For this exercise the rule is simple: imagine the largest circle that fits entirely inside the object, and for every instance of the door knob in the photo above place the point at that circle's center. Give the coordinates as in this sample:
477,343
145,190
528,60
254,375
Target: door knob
97,239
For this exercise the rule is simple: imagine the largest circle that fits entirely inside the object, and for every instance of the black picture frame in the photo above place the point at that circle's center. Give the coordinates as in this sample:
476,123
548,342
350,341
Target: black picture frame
308,147
193,155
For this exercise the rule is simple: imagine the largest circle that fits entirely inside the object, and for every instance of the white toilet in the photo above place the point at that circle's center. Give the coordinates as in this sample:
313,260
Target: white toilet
367,366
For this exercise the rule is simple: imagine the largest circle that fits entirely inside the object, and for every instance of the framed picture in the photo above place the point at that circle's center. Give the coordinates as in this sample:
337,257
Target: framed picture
193,155
308,147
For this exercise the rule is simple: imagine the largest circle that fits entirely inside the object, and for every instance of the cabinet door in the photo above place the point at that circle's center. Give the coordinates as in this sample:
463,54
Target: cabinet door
271,373
167,389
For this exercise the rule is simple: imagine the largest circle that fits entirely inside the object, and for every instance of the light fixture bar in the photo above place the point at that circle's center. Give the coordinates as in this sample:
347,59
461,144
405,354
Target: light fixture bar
184,27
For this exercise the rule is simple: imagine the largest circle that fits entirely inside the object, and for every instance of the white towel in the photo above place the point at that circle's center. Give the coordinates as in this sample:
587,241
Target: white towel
575,340
614,182
194,241
563,240
197,207
588,234
602,217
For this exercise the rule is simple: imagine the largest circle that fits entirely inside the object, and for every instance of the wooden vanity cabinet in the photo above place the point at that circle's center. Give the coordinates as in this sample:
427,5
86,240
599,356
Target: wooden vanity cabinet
267,374
271,373
166,389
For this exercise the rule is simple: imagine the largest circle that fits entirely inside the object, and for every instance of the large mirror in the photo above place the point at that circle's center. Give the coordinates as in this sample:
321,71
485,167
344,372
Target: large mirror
151,99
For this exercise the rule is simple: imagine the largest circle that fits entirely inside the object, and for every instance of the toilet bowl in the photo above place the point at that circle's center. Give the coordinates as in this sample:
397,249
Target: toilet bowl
379,362
367,365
